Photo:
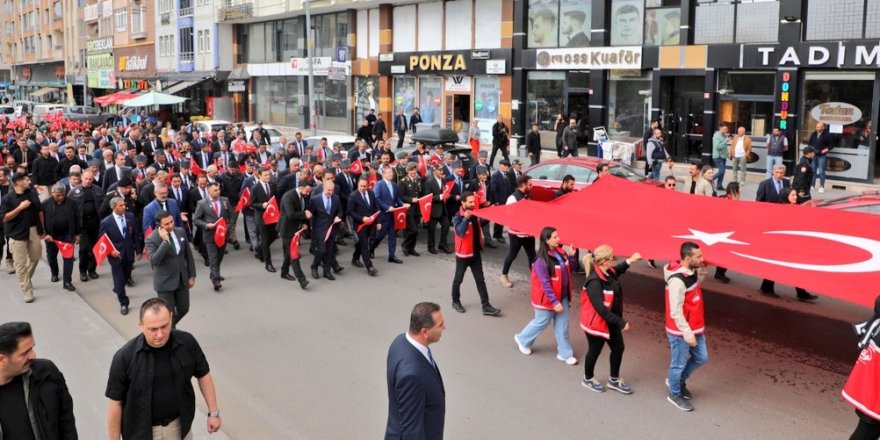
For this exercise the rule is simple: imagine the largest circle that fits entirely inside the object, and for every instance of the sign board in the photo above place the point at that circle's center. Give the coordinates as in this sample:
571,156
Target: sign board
386,57
496,67
836,113
449,62
236,85
90,13
107,9
341,54
398,69
320,66
598,58
132,63
480,54
337,72
458,84
99,45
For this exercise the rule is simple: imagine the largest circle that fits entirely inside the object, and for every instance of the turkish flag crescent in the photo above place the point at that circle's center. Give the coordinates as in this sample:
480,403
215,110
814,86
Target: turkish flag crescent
425,207
102,249
330,229
294,245
370,220
65,248
423,165
220,233
371,181
194,166
356,167
399,218
244,201
447,190
271,214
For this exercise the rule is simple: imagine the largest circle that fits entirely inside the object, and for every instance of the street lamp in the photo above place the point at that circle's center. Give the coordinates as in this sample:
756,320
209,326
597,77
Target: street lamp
311,79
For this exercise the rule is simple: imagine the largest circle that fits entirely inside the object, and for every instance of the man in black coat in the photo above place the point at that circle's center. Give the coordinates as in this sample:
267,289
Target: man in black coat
416,395
62,222
362,205
379,129
294,215
803,175
499,190
770,189
89,198
261,193
500,140
434,185
326,211
533,145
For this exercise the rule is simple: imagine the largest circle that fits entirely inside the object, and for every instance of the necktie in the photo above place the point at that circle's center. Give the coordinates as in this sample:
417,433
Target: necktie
266,189
122,225
217,208
177,194
173,243
164,208
204,195
778,187
327,204
366,198
431,358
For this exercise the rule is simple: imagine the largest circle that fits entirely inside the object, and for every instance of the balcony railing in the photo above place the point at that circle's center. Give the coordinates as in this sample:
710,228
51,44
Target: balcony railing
236,12
186,57
186,12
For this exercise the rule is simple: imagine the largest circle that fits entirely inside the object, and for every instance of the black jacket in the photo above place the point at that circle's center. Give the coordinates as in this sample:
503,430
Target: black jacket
533,143
49,403
44,171
803,176
67,209
597,284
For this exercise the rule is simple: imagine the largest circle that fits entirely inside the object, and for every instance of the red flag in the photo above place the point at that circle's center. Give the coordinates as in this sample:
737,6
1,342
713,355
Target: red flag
436,160
356,167
330,229
479,197
244,201
220,233
194,167
271,214
294,245
371,181
399,215
103,248
423,165
447,190
65,248
370,220
147,234
425,207
242,167
175,154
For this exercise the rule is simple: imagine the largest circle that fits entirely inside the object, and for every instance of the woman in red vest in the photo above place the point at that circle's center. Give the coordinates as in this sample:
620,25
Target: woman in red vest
551,294
602,315
862,389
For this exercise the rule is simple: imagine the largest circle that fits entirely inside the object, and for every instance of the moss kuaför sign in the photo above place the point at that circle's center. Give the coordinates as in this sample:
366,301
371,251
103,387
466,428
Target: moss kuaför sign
599,58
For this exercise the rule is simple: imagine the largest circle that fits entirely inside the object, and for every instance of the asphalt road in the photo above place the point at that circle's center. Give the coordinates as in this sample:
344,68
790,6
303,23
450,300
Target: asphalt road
310,364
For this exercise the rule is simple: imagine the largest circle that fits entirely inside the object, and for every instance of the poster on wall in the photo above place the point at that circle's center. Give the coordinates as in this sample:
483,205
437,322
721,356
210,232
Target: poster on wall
404,95
486,101
365,97
626,22
574,23
662,26
430,95
543,23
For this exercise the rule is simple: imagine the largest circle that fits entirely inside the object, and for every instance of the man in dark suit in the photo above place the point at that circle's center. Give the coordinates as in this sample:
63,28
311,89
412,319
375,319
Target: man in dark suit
261,193
388,198
161,202
294,214
770,189
434,186
174,271
345,183
361,205
199,192
205,157
119,227
416,395
208,212
117,172
453,203
326,212
410,188
499,190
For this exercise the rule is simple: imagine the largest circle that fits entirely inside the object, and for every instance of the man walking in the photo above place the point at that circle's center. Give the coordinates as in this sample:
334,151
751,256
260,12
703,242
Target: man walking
400,127
23,224
777,145
62,225
569,139
326,212
500,140
533,145
150,382
468,245
740,150
361,206
803,174
720,147
517,239
416,395
261,193
119,227
34,400
434,185
685,322
388,198
410,189
88,197
208,212
820,140
294,215
174,271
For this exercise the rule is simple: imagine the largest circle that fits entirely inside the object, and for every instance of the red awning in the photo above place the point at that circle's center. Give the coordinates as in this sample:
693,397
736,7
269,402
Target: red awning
831,251
114,98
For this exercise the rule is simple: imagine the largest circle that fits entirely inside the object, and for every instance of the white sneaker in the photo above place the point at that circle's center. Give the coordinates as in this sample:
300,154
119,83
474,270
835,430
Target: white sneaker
522,348
570,361
821,189
506,281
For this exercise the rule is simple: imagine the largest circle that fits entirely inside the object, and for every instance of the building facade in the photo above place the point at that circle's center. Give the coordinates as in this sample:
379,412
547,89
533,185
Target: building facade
34,35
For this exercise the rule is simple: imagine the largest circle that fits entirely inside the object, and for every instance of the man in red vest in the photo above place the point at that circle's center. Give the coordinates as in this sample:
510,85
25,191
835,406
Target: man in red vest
684,322
468,244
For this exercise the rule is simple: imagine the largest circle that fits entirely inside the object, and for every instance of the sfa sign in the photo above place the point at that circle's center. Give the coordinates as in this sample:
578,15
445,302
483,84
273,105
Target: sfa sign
843,55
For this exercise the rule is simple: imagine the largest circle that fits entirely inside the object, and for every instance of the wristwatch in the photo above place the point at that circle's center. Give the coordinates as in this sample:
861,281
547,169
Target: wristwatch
214,414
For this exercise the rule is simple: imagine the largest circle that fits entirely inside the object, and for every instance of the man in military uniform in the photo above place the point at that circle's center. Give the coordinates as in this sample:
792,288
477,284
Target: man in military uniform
803,175
410,189
400,168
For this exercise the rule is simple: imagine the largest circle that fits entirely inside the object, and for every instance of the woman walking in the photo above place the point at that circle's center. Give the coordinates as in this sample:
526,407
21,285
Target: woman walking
551,295
602,315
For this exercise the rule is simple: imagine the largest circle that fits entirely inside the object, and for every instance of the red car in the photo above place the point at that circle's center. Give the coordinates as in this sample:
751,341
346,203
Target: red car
547,176
865,203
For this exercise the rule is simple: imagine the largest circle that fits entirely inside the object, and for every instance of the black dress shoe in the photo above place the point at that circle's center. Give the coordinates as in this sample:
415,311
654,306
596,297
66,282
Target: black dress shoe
93,275
395,260
288,277
806,297
207,264
415,254
432,250
217,286
357,263
236,246
722,278
372,271
270,268
445,250
315,273
491,311
222,279
69,286
84,277
338,268
129,282
329,276
123,310
303,283
458,307
54,278
372,254
259,257
499,239
769,293
490,245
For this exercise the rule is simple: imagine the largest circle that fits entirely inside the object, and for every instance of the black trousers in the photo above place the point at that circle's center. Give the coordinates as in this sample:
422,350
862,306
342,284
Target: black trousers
52,256
288,263
121,271
87,239
400,135
767,286
516,242
178,300
595,349
443,220
199,242
867,429
475,263
505,152
362,247
215,257
497,231
324,255
267,234
411,234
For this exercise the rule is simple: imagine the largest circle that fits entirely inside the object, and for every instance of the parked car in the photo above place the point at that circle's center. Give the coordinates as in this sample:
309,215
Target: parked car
446,137
346,142
205,126
7,112
41,110
868,203
274,134
86,113
547,176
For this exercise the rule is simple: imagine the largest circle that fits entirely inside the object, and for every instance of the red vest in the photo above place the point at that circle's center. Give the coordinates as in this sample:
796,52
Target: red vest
539,298
591,321
861,390
464,245
692,307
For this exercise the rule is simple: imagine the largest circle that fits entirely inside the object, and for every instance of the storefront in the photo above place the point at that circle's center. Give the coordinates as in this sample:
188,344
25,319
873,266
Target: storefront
452,89
100,66
41,82
135,67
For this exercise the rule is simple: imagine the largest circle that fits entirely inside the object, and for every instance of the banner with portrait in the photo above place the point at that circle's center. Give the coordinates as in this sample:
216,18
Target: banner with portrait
662,26
574,23
404,95
366,96
543,23
486,101
430,99
626,22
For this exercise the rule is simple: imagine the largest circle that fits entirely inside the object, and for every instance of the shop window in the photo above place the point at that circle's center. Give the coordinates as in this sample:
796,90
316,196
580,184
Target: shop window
366,91
404,97
430,99
560,23
291,32
849,96
746,100
626,22
729,21
662,22
486,102
545,96
256,40
629,103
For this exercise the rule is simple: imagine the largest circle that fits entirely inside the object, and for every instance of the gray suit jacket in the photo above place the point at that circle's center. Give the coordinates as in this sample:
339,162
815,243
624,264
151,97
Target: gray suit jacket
205,214
170,271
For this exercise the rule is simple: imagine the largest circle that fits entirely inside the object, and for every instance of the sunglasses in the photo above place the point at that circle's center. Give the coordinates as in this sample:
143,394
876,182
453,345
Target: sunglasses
670,185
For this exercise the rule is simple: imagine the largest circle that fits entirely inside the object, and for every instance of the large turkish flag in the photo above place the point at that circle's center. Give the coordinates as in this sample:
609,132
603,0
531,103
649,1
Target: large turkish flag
830,251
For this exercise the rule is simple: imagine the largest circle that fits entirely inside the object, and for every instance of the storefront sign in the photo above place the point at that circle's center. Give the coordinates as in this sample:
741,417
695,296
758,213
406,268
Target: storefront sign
836,113
590,58
480,54
99,45
843,55
132,63
398,69
455,62
236,86
297,67
320,65
386,57
458,84
496,67
440,62
90,13
100,67
784,100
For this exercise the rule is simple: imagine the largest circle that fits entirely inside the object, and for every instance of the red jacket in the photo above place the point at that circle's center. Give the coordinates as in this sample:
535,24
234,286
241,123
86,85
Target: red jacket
464,244
540,300
595,319
861,389
693,302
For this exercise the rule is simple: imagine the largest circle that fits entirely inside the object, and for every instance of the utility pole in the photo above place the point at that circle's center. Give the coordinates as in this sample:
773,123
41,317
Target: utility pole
311,81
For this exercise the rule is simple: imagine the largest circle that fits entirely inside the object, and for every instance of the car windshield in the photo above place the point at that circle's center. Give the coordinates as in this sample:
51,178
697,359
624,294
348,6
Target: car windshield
626,172
218,127
273,133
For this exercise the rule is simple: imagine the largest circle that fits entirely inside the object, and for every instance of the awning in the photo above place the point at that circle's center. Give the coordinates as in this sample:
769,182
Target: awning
183,85
43,91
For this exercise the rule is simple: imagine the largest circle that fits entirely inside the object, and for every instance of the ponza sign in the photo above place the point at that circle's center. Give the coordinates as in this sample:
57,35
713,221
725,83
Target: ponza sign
836,113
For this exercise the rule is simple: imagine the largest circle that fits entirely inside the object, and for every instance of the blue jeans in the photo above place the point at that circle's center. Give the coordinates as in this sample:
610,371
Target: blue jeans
819,170
685,360
721,164
542,319
655,169
771,162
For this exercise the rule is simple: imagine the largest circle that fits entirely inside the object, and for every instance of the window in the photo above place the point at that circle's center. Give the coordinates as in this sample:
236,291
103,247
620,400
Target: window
547,172
629,108
546,98
843,89
662,22
728,21
199,41
186,44
559,23
580,174
256,47
121,20
207,44
746,100
291,32
138,19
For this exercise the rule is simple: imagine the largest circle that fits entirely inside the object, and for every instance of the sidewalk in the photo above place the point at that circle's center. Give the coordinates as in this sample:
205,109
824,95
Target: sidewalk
81,343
